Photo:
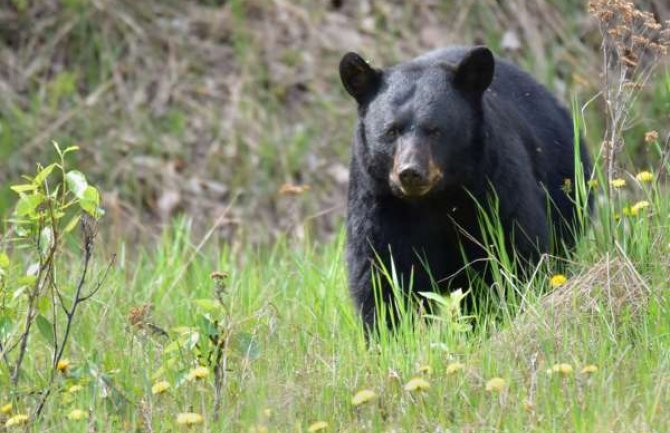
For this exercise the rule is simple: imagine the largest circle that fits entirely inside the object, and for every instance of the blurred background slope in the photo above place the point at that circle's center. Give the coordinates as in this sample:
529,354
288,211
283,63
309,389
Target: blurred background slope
228,110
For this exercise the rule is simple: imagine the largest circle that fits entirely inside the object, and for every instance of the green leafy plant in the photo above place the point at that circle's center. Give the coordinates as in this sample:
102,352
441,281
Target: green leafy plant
51,205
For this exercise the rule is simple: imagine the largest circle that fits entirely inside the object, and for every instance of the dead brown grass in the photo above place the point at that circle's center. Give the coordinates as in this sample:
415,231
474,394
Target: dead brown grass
590,306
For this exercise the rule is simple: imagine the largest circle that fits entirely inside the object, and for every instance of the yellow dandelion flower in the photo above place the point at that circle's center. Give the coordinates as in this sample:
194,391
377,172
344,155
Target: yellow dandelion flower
198,373
588,369
63,365
634,210
363,396
557,280
497,384
417,384
645,176
618,183
426,369
77,415
75,388
317,426
18,419
258,429
189,418
6,408
562,368
455,367
593,183
640,205
160,387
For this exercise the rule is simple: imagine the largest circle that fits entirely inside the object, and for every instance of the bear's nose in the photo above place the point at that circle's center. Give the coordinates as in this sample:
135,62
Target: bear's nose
411,176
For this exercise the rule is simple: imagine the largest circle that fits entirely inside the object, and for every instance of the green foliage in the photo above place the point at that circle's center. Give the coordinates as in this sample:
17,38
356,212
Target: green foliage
51,204
46,206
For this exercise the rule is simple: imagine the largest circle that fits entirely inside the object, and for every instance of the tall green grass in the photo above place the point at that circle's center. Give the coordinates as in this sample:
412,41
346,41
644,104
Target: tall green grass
296,353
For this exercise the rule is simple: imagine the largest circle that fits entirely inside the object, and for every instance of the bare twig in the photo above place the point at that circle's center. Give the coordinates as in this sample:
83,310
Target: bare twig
89,234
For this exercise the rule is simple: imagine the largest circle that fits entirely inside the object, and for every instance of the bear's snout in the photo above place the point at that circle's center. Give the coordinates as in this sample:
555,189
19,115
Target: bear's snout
414,171
412,176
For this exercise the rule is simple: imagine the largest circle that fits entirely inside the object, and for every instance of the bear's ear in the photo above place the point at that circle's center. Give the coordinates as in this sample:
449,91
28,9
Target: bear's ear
360,80
475,72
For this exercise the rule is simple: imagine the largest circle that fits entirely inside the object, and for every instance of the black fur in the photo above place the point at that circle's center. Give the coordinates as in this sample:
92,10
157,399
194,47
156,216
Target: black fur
487,125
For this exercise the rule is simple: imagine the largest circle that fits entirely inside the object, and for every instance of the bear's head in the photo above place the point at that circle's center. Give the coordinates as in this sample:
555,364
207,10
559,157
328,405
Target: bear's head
420,120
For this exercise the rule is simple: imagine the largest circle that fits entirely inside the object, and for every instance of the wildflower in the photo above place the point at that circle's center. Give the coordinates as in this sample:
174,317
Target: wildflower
497,384
635,209
650,136
218,275
189,418
363,396
258,429
417,384
455,367
588,369
77,415
618,182
267,413
6,408
557,280
63,365
317,426
198,373
75,388
426,369
18,419
645,176
563,368
160,387
593,183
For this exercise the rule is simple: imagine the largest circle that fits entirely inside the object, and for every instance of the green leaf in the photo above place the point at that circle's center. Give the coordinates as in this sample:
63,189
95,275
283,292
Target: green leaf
4,261
70,149
207,327
435,297
57,147
44,305
44,173
27,280
76,182
21,231
209,306
186,341
5,327
23,188
28,204
45,328
46,241
72,224
90,202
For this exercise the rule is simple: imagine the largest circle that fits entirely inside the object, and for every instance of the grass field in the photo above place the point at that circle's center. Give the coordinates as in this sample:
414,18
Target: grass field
294,352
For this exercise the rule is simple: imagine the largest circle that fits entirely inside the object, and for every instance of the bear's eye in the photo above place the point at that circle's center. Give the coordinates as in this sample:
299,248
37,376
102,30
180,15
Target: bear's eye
393,131
432,132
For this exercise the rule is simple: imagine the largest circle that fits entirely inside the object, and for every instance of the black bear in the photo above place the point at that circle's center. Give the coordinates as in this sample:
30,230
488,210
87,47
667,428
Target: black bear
434,137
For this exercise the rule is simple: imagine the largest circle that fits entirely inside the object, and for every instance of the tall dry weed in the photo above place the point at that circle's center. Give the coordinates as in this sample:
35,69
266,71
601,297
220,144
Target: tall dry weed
634,43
